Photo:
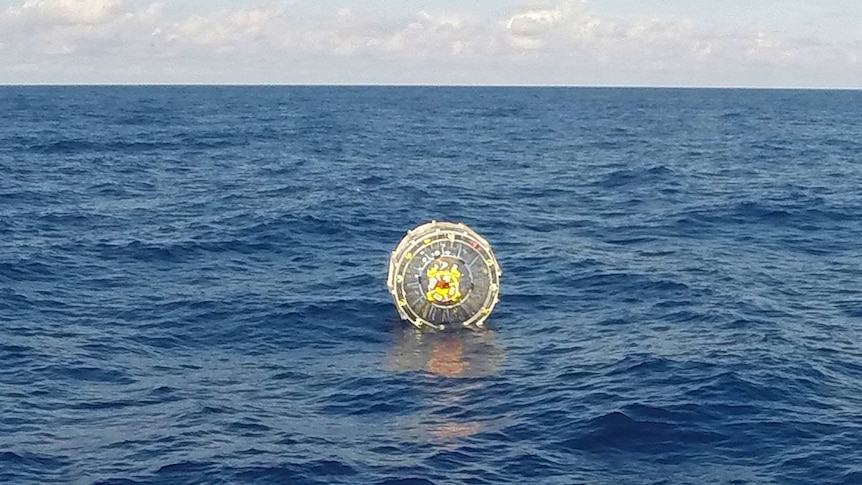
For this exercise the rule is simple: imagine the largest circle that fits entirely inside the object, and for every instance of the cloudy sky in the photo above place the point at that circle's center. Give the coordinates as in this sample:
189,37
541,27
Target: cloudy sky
757,43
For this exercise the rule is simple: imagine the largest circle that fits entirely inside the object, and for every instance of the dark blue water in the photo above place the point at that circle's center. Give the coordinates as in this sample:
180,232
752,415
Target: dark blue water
192,286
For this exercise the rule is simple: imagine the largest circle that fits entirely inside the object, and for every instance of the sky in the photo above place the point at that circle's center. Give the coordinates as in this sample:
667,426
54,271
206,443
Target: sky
722,43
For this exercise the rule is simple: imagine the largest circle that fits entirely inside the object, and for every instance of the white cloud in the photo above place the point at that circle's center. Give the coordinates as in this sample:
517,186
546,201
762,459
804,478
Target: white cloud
76,27
573,29
564,36
226,31
568,24
68,12
424,35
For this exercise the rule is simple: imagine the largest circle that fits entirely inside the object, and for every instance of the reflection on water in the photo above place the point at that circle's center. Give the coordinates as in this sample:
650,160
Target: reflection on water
453,431
450,355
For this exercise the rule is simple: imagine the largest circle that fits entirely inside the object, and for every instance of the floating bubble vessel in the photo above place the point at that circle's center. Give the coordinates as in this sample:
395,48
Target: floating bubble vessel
443,274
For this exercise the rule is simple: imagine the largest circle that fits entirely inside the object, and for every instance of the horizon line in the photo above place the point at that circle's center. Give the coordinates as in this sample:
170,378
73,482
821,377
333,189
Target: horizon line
444,85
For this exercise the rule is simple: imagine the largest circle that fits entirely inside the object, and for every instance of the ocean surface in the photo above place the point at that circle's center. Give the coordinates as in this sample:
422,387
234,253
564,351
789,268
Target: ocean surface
192,286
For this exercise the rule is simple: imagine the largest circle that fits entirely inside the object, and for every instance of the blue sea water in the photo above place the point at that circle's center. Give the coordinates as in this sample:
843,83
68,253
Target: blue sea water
192,286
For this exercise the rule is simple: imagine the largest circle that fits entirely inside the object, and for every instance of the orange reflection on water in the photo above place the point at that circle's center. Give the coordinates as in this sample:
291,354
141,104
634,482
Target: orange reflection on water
447,359
453,355
454,431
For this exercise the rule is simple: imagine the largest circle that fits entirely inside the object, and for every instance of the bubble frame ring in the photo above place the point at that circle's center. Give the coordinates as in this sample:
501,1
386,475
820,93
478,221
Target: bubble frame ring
443,274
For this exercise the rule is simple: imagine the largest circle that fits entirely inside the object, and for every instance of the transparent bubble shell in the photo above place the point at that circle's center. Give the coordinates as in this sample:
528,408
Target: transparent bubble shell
444,274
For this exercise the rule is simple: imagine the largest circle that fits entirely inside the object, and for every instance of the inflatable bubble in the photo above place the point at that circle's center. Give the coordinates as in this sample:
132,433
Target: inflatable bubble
443,274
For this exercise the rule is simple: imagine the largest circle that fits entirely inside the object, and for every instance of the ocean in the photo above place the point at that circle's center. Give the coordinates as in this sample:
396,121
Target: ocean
193,286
